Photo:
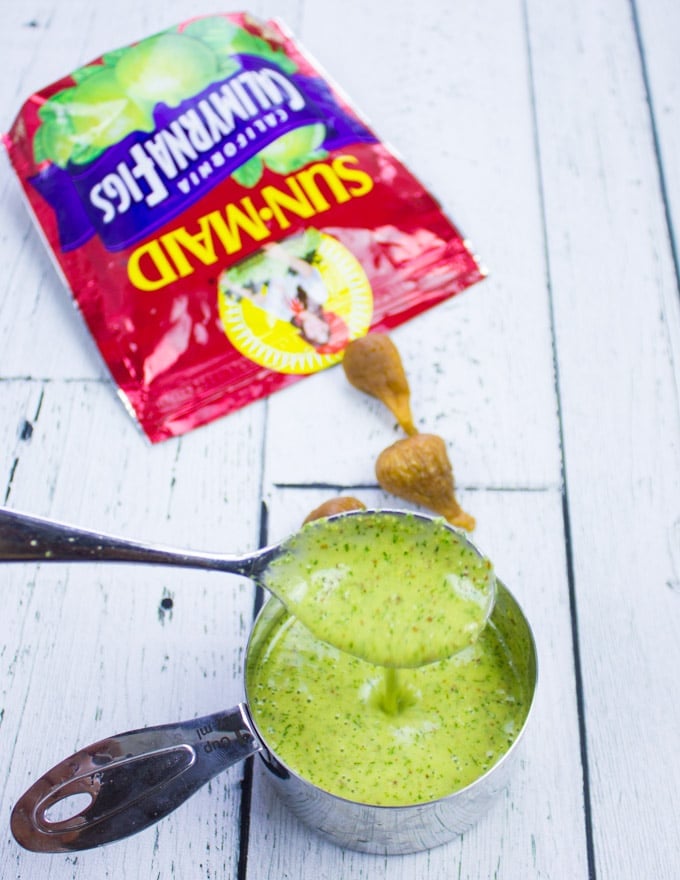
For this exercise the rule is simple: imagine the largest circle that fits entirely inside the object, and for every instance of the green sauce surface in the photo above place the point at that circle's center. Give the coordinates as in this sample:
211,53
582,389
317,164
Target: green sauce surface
395,590
384,737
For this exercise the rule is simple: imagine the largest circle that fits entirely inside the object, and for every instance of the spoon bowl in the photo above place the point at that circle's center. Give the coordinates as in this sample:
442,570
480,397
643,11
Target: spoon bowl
393,587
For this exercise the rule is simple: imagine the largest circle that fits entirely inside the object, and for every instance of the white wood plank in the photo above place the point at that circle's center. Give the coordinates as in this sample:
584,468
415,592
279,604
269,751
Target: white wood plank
656,27
610,267
659,23
19,402
448,88
536,829
86,650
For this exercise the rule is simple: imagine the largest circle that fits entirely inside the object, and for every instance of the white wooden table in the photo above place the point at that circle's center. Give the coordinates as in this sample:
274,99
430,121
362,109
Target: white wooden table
551,134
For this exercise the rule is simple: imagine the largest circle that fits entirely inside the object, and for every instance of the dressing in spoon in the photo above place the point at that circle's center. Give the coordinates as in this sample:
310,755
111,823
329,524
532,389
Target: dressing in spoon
394,588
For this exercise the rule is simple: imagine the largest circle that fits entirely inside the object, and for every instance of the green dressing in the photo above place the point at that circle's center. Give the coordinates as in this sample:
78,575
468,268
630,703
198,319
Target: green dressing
384,737
395,590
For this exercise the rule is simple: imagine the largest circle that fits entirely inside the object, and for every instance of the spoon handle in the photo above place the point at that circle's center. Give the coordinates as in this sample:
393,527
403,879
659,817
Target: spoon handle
129,781
25,538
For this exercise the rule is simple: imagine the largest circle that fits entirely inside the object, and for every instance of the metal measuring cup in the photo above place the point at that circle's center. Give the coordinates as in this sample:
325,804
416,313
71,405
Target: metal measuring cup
132,780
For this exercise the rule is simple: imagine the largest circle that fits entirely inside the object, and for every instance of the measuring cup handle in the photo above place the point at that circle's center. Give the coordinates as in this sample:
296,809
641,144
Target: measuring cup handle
129,781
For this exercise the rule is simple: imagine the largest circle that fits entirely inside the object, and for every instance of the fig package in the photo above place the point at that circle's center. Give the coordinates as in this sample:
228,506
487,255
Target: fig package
225,220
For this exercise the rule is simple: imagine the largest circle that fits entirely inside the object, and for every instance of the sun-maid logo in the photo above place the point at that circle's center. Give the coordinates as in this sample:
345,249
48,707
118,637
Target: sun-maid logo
295,305
266,214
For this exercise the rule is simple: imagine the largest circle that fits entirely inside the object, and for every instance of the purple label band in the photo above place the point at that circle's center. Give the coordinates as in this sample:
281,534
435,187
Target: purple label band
145,180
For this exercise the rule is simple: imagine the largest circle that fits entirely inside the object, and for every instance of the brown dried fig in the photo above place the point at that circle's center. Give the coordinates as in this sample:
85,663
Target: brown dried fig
373,365
341,504
418,469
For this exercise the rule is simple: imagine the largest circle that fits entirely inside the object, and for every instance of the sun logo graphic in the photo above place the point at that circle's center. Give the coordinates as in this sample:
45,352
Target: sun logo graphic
294,305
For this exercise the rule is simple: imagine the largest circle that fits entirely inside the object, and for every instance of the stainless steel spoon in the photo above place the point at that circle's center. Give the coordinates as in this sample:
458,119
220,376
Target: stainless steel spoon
131,780
31,539
320,588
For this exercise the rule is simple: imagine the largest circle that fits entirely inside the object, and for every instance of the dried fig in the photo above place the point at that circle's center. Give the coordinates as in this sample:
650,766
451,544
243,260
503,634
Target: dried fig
341,504
373,365
418,470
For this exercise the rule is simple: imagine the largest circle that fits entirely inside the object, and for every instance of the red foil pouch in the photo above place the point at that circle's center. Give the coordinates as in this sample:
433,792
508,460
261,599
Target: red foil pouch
225,220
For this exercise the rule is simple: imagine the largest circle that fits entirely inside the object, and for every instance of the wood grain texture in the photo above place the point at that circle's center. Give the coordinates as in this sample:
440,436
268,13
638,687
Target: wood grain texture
89,650
656,26
609,263
450,92
549,132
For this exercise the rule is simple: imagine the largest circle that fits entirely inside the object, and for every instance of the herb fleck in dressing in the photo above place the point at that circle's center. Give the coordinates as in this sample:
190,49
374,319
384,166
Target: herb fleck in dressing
324,713
395,590
383,682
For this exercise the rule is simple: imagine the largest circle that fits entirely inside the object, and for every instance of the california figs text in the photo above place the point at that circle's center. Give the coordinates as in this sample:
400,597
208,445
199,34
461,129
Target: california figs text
260,97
